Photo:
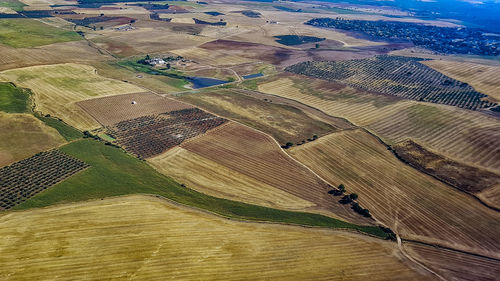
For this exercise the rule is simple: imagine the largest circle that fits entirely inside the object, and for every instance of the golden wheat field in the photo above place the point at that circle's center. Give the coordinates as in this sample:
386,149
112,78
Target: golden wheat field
211,57
22,135
212,178
473,137
416,206
259,156
146,238
58,87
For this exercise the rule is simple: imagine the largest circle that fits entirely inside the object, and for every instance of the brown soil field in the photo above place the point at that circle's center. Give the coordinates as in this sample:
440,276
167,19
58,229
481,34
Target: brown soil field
454,265
111,110
284,123
491,195
258,156
77,51
146,238
58,87
466,178
462,135
214,179
483,78
22,135
414,205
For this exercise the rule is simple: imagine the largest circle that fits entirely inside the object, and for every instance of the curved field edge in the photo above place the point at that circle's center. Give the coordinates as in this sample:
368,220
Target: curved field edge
93,239
113,172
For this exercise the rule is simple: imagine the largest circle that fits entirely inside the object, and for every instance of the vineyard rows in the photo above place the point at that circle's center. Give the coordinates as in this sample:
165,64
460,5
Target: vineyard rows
151,135
24,179
399,76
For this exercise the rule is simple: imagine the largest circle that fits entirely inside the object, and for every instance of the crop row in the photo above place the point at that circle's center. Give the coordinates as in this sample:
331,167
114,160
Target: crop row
24,179
399,76
151,135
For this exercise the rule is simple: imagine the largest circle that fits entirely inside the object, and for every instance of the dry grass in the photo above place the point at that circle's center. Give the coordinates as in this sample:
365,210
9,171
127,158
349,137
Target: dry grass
22,135
214,179
145,238
211,57
57,88
483,78
111,110
467,136
414,205
258,156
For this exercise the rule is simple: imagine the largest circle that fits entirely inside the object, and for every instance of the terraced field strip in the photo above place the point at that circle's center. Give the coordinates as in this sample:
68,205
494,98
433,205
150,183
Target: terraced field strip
258,156
212,178
454,265
58,87
470,137
113,109
483,78
94,239
22,135
414,205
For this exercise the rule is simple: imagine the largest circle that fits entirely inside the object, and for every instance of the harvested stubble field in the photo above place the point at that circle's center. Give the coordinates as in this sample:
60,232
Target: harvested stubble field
466,178
212,57
212,178
26,178
151,135
22,135
483,78
182,244
114,109
259,156
467,136
57,88
399,76
284,123
78,52
454,265
416,206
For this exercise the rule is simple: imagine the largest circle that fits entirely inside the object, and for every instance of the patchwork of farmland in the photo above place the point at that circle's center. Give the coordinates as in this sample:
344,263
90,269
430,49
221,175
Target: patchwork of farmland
258,156
113,109
147,238
400,76
26,178
472,138
212,178
416,206
151,135
56,89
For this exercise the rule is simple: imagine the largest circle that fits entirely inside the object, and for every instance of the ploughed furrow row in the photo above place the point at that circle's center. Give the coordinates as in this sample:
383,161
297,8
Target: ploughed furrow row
94,239
416,206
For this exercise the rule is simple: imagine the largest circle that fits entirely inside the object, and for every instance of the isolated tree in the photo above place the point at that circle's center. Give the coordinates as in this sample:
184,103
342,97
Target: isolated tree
353,196
317,46
289,144
342,187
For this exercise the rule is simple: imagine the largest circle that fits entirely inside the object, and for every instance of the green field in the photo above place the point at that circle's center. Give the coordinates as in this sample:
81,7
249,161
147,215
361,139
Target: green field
114,173
12,4
27,33
66,131
13,99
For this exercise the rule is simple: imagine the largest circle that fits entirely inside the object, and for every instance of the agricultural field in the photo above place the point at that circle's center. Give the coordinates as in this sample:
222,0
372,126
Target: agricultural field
13,99
28,33
57,88
209,177
466,178
150,135
284,123
22,135
259,156
26,178
99,236
400,76
414,205
114,109
472,138
484,78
